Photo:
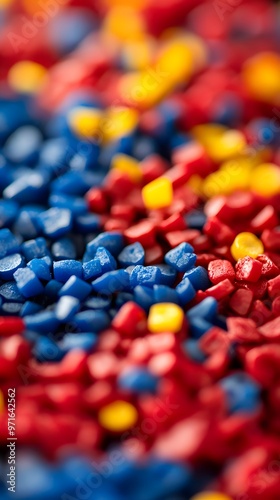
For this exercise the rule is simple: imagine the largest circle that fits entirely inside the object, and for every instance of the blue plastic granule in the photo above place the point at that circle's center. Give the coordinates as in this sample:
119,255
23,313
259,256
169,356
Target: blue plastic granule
8,211
8,243
192,349
198,326
105,259
185,291
66,308
242,393
29,188
132,255
23,145
147,276
77,206
99,302
76,288
43,322
9,291
94,321
195,219
122,298
9,264
52,289
82,340
26,223
34,249
28,283
198,277
144,296
111,282
138,380
92,269
45,349
63,249
168,274
11,308
29,308
163,293
206,309
64,269
41,268
55,222
114,242
87,223
181,258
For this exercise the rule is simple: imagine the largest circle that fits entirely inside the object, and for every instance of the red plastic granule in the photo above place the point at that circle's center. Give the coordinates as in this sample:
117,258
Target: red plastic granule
97,200
153,255
275,259
271,239
72,367
243,331
175,222
240,204
216,207
14,357
63,397
241,301
119,225
271,330
179,174
143,232
221,290
118,184
266,219
123,211
269,268
130,320
219,270
214,340
103,366
259,289
204,259
263,363
194,156
248,269
273,287
152,167
276,306
11,325
259,313
201,243
175,238
221,233
98,394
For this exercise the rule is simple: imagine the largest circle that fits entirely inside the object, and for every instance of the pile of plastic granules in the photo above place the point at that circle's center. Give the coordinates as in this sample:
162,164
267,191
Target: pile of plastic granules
140,250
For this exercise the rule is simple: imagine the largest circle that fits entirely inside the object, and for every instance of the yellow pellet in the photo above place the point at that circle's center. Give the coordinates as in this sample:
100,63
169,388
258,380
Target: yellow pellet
246,244
85,122
266,179
118,416
261,75
211,495
226,146
118,122
158,194
165,317
124,23
127,165
27,77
